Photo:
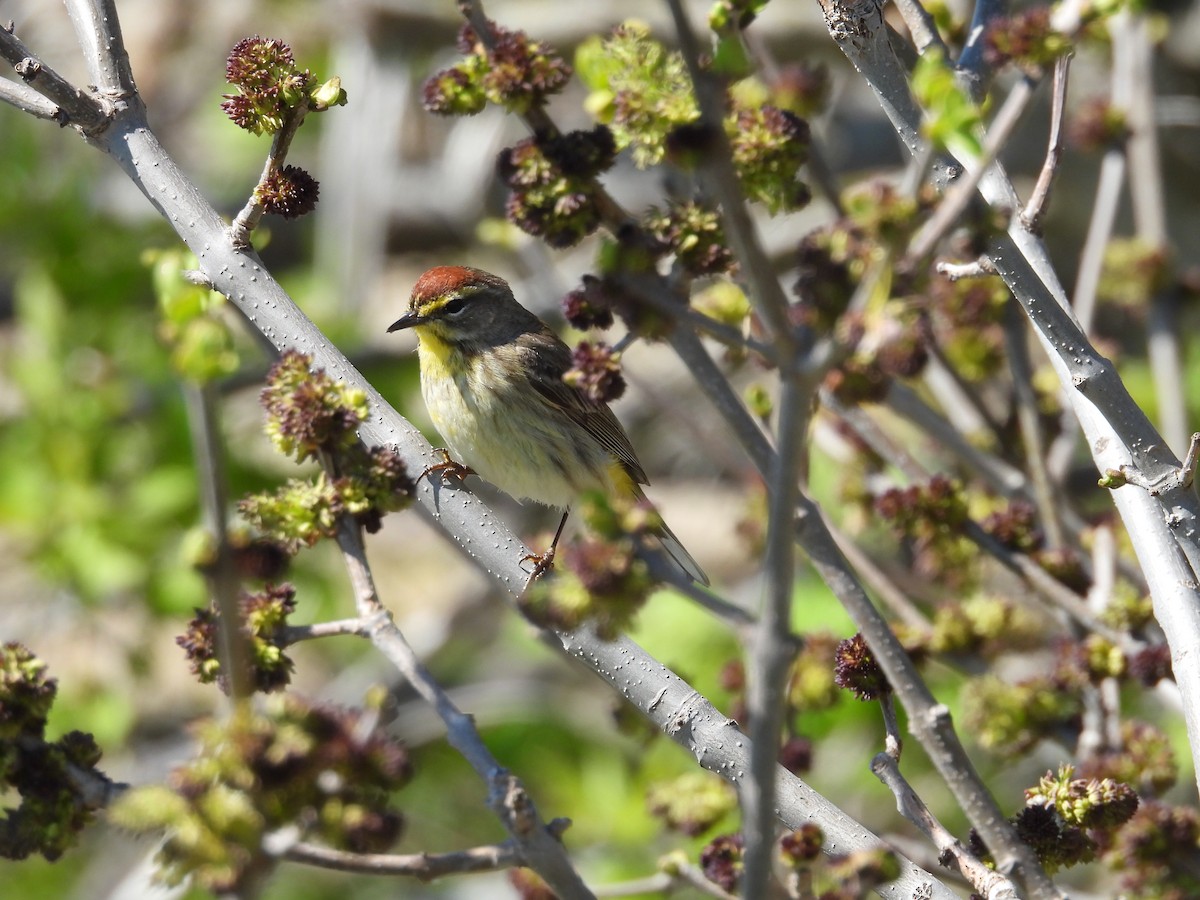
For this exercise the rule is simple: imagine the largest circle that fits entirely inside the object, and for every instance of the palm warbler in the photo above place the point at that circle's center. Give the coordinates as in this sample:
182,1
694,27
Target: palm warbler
491,376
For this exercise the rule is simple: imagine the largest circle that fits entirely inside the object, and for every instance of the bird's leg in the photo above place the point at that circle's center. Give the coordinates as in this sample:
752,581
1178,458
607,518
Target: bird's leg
544,562
447,468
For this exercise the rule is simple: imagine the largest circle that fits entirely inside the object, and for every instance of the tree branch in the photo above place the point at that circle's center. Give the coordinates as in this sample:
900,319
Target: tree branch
220,574
75,107
764,288
962,191
28,100
771,651
987,882
1035,208
422,866
98,30
251,214
507,797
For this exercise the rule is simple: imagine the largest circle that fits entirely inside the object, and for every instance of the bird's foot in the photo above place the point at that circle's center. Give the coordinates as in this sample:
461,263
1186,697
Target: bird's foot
447,468
542,563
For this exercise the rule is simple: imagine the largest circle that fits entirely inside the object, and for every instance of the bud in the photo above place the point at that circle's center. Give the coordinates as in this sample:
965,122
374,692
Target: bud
328,94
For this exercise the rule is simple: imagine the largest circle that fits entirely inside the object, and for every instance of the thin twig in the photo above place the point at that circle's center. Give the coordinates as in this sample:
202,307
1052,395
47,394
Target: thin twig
1048,587
857,419
28,100
653,291
771,652
1104,216
921,26
955,271
294,634
764,288
962,191
221,573
987,882
506,796
98,30
736,617
1029,419
247,220
972,62
998,474
884,587
1035,207
893,742
76,107
422,866
961,404
1133,53
722,395
681,875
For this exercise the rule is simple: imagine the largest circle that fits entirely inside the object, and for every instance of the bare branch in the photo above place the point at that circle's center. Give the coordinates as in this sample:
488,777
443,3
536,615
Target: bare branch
98,30
962,191
886,589
506,796
423,866
771,652
220,574
1133,60
987,882
75,107
681,874
971,62
294,634
28,100
1100,228
955,271
696,725
1048,506
721,394
1035,208
921,26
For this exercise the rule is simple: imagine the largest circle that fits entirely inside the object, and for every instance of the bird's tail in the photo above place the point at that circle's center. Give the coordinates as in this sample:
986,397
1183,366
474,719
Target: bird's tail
670,543
682,558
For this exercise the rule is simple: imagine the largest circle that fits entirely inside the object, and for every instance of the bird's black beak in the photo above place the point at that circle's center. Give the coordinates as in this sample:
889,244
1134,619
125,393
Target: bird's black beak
407,321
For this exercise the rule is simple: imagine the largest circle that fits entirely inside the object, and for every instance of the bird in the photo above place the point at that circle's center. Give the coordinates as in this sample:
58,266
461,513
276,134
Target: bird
492,381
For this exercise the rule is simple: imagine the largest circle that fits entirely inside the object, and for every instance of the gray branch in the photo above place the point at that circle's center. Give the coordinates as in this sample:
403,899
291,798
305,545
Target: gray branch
76,107
98,30
28,100
540,848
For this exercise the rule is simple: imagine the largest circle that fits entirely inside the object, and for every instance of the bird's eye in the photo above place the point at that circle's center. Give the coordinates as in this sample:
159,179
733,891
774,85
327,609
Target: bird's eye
454,307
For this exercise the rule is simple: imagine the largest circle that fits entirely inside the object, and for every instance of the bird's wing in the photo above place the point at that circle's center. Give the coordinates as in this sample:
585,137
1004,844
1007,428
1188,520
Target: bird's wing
545,372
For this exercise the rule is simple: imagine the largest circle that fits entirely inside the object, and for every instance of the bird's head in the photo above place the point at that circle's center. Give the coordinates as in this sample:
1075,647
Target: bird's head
466,307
